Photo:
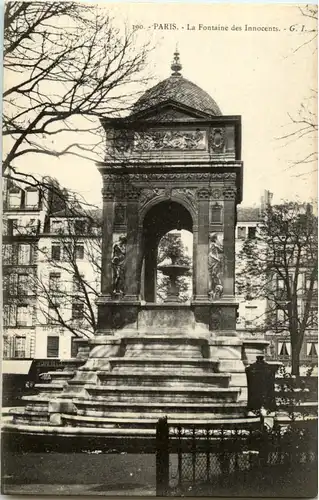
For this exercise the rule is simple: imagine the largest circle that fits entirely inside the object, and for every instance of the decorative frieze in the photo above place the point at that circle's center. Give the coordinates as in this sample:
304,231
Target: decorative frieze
230,192
108,193
131,193
177,140
217,194
172,176
203,194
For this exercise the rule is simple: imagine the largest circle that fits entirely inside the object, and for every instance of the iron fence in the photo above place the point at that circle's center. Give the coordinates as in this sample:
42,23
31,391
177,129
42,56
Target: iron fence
195,454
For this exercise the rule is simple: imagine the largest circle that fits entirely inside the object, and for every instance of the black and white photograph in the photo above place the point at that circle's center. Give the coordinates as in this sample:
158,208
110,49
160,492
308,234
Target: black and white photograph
159,249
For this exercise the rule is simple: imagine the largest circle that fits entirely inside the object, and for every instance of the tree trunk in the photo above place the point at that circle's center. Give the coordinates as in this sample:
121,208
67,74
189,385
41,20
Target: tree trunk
295,359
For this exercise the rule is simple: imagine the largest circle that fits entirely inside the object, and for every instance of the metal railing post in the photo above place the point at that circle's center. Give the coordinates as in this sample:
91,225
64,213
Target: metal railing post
162,457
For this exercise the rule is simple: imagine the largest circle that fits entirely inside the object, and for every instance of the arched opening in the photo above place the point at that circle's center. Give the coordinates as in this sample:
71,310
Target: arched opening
175,246
162,218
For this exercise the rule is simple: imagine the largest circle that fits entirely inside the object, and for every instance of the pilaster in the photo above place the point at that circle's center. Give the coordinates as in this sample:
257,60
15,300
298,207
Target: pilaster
229,193
132,250
201,264
107,242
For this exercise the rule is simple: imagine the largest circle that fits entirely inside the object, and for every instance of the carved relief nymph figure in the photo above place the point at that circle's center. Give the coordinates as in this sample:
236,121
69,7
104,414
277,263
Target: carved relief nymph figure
118,266
215,267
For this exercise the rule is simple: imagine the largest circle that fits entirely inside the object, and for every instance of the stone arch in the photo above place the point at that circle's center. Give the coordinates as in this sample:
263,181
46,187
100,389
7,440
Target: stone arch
163,198
153,227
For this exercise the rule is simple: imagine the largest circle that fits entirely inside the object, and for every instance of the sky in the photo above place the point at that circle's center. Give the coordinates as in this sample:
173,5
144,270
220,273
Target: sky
263,75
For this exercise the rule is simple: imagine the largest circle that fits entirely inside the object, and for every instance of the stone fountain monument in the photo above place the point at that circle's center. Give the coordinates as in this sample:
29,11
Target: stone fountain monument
173,163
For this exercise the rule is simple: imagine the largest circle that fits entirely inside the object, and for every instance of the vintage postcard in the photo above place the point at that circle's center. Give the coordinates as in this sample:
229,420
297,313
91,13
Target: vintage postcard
159,249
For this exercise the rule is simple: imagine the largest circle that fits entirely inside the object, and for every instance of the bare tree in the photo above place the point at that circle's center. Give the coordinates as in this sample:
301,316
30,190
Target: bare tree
66,64
304,124
281,266
68,280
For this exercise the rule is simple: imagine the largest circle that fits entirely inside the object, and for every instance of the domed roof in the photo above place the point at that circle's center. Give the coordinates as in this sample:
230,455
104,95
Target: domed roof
180,90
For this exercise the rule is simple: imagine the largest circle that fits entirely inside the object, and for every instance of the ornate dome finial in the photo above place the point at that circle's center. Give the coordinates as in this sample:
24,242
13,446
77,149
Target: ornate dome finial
176,64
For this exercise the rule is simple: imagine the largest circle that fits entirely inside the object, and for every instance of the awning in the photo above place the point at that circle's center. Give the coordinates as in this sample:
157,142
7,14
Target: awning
16,366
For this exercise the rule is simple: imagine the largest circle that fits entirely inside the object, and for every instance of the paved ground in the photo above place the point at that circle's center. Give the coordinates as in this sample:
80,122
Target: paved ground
122,474
78,474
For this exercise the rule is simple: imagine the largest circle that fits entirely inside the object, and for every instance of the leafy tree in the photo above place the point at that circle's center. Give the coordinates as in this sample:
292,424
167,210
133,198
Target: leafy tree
281,265
171,248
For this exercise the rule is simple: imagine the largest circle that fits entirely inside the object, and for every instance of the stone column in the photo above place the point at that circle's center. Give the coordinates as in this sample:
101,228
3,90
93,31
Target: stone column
107,241
229,239
201,264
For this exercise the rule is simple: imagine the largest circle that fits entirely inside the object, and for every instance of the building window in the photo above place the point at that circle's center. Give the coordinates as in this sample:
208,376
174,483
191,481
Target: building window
10,284
308,283
53,313
56,226
313,317
54,283
74,347
250,316
241,233
15,198
6,254
33,226
31,198
24,255
282,317
53,347
312,349
79,252
284,349
68,252
24,285
77,311
79,226
7,347
12,227
19,347
9,315
55,252
251,233
24,315
77,284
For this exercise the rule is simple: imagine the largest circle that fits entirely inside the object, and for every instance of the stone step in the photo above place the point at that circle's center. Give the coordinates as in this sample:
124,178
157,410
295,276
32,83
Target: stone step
176,346
163,365
154,338
150,379
51,388
118,432
156,409
150,423
60,377
164,394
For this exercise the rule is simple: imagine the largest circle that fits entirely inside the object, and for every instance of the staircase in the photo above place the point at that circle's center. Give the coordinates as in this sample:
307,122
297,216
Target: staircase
148,376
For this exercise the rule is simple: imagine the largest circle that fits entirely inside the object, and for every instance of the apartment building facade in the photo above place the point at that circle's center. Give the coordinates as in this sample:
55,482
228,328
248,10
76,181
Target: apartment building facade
51,260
